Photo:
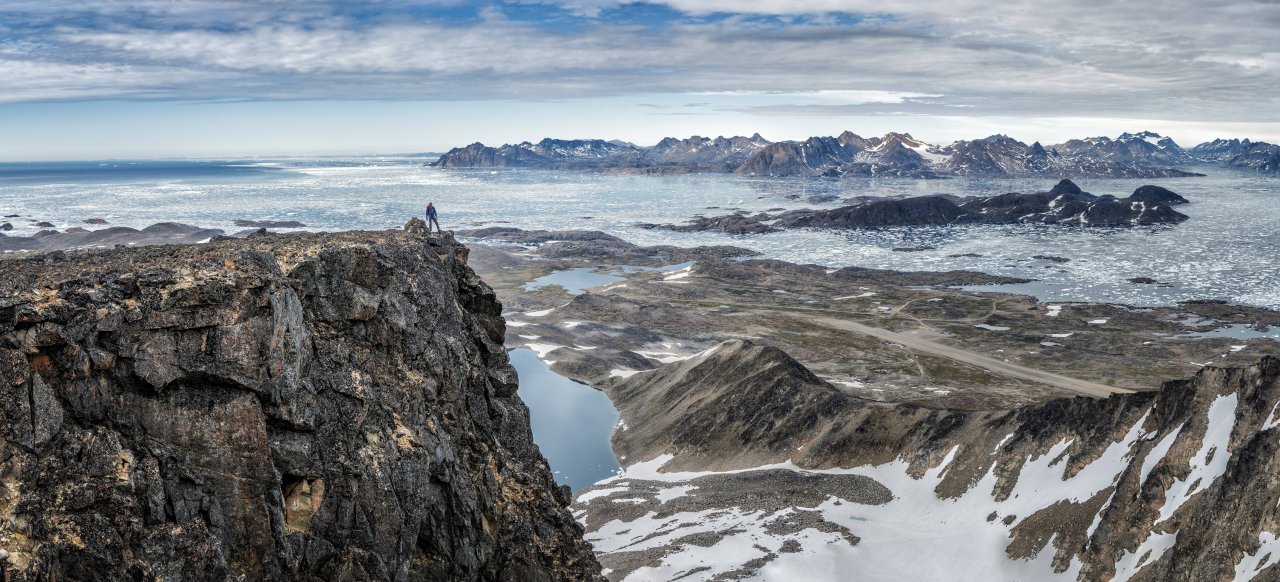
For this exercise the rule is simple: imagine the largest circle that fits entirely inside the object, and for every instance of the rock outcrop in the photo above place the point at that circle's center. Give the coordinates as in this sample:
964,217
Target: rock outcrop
1157,195
301,407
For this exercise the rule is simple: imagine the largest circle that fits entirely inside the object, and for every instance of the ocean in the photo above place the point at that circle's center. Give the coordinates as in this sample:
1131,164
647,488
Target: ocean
1225,251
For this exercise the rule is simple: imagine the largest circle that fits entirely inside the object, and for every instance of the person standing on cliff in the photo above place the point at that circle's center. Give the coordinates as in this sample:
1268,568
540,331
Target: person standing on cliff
431,217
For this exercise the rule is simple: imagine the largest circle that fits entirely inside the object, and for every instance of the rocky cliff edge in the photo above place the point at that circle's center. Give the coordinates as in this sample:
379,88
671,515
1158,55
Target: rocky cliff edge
300,407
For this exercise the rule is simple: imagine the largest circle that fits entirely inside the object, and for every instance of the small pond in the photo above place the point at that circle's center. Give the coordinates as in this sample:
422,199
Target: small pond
1234,331
572,422
576,281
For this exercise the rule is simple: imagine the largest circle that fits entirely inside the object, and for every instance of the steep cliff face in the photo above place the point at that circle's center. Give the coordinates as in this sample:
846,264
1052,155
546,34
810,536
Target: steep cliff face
1176,485
304,407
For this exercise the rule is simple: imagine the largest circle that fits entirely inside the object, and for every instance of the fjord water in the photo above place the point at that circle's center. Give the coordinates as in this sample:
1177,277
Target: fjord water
572,422
1225,251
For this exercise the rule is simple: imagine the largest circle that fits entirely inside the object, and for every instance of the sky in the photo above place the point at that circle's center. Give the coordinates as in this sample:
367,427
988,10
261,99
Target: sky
100,79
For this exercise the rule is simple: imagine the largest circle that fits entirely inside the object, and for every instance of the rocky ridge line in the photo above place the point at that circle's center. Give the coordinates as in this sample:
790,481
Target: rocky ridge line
1129,155
1174,485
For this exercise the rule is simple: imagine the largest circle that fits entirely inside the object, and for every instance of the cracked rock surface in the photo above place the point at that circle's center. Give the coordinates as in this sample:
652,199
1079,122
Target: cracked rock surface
300,407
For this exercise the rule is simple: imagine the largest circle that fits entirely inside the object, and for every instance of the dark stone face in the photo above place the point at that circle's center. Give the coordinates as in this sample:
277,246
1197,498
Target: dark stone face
334,406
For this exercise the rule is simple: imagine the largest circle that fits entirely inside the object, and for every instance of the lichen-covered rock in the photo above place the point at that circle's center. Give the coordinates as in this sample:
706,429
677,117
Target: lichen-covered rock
302,407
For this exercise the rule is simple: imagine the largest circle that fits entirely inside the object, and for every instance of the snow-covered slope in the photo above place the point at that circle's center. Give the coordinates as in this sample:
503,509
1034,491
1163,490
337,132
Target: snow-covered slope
1175,485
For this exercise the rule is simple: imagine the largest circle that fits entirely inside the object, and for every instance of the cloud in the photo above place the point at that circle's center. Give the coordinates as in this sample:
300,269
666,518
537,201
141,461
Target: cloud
1180,60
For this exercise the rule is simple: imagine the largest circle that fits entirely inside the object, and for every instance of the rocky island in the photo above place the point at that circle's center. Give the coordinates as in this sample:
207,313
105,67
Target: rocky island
1064,204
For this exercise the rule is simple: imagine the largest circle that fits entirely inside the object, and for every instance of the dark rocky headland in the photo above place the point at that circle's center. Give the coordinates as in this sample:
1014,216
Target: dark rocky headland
1064,204
300,407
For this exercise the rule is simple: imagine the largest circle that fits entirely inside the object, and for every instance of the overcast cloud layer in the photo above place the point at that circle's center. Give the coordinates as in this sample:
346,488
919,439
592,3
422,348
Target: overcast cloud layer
110,78
1180,61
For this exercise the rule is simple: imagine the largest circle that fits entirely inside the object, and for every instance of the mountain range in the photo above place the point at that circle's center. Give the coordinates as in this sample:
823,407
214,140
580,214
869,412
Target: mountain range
1130,155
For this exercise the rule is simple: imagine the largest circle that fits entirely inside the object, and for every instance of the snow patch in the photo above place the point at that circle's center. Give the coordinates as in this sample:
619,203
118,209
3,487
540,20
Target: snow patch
1158,452
664,357
892,534
1148,552
1204,471
1250,565
543,349
680,274
669,493
597,493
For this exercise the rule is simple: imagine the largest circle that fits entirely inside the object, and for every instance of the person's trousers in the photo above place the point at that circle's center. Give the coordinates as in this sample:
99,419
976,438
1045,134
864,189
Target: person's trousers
432,220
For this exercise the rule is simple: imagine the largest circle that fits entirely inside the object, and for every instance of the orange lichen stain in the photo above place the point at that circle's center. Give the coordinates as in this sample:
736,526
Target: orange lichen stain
124,465
47,298
402,435
40,363
302,498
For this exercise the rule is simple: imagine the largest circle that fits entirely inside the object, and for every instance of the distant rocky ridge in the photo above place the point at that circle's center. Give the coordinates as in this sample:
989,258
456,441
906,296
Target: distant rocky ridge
281,407
1258,157
156,234
693,154
1064,204
1129,155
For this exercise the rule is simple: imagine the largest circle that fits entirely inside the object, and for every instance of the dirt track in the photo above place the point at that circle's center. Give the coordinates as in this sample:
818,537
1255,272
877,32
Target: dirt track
981,361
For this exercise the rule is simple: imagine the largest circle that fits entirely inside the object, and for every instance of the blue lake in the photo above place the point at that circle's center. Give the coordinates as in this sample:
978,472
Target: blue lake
575,281
572,422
